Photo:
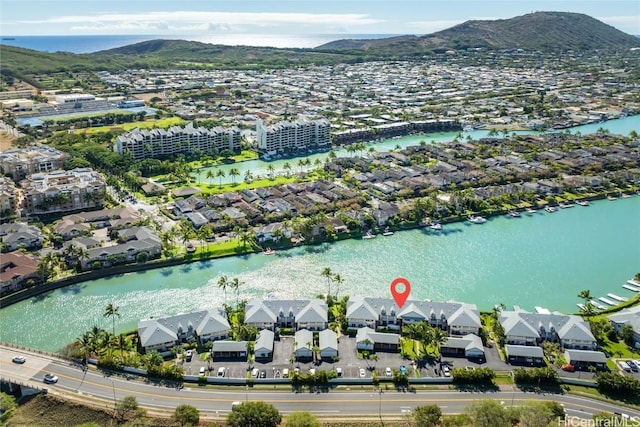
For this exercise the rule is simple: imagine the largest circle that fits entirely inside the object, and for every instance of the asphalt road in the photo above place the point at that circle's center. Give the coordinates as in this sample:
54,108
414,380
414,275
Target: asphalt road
93,386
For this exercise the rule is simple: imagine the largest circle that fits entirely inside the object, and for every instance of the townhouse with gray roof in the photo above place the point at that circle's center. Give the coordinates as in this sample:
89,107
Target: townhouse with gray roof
163,333
453,317
294,314
16,235
135,241
628,316
531,329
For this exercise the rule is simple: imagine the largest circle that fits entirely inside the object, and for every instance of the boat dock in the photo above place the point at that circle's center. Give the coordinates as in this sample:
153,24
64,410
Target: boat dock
597,305
631,288
581,306
607,301
617,298
633,283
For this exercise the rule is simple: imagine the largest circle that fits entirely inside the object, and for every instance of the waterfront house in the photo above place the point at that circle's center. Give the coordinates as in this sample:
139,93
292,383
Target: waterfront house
163,333
16,270
453,317
628,316
136,241
263,347
295,314
524,328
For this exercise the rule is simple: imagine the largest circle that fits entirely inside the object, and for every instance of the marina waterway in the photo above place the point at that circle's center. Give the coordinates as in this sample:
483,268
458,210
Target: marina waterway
541,259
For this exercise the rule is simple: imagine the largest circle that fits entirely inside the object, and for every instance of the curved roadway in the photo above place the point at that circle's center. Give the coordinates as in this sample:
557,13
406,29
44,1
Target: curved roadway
94,387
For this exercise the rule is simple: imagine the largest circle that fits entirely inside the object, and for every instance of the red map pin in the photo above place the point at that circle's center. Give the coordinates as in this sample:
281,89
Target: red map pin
400,289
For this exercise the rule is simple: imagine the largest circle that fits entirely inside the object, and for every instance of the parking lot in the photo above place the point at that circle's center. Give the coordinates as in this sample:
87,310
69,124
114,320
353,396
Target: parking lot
348,362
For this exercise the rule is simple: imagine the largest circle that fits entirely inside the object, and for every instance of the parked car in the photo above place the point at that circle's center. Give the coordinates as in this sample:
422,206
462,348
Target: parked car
362,373
222,371
263,373
50,379
285,373
446,371
388,372
632,365
624,366
189,355
312,371
568,367
403,370
339,372
255,372
202,371
18,359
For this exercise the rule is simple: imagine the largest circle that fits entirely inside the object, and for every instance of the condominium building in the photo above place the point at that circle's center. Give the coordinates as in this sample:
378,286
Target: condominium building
20,162
153,143
290,137
62,191
8,198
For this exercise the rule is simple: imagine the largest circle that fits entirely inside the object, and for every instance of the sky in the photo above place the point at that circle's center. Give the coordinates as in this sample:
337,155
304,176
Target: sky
210,17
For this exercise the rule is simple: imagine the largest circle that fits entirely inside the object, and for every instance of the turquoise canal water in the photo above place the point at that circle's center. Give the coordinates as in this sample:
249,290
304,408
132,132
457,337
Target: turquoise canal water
537,260
540,259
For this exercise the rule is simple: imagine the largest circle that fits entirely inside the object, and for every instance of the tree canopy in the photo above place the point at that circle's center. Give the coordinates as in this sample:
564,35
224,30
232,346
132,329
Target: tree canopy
254,414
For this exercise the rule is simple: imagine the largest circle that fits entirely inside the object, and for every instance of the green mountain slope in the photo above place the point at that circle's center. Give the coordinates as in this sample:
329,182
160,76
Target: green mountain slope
544,31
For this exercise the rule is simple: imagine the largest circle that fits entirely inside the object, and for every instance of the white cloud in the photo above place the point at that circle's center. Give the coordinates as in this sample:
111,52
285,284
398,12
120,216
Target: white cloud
215,21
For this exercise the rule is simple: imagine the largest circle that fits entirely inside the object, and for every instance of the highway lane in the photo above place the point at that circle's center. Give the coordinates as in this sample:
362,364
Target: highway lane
95,386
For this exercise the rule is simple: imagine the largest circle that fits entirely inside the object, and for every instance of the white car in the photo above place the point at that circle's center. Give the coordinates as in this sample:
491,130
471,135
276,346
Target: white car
254,373
363,373
50,379
201,372
18,359
388,371
339,372
222,371
189,355
447,372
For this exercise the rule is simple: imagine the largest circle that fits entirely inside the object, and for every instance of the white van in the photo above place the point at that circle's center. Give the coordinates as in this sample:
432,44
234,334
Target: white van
254,373
201,372
285,373
221,371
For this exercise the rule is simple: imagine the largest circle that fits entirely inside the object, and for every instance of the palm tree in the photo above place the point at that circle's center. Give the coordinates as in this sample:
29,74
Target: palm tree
210,175
287,168
437,338
235,284
271,169
326,272
339,280
234,172
248,176
585,295
223,283
112,311
220,174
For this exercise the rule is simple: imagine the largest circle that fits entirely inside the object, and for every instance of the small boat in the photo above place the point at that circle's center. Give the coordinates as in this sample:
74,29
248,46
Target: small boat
583,202
625,195
581,306
387,232
531,210
435,226
369,235
612,198
565,205
514,214
268,251
550,208
477,219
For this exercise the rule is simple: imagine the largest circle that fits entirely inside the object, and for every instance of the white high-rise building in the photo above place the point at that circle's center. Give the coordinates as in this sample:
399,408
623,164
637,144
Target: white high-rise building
290,137
152,143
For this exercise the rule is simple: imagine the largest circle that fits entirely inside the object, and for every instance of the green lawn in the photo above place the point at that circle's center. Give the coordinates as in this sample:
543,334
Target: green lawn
242,185
147,124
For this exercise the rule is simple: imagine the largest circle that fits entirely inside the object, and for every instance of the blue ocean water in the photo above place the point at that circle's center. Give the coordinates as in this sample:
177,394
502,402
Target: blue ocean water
88,44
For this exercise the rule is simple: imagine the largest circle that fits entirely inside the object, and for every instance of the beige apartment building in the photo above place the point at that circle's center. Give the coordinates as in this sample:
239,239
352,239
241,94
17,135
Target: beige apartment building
20,162
62,191
9,198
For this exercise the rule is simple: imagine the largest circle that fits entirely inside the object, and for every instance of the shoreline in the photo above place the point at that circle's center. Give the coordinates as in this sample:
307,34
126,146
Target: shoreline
35,291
